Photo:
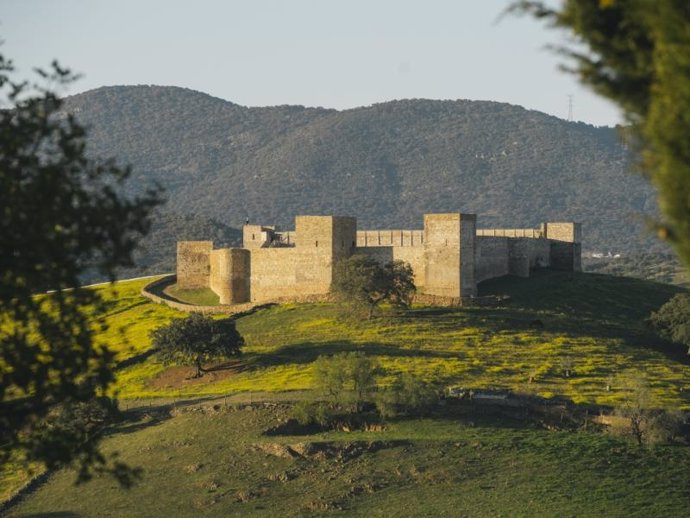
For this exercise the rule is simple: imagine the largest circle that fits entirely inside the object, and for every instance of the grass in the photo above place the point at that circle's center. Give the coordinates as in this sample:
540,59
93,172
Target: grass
594,323
199,297
205,463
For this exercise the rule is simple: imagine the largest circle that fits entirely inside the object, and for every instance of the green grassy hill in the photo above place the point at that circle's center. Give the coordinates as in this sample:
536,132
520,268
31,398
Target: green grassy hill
218,462
594,323
204,458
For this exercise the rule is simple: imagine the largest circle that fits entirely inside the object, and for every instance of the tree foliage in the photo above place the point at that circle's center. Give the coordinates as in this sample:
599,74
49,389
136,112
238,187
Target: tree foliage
345,379
62,213
408,394
195,340
640,422
638,55
672,320
362,282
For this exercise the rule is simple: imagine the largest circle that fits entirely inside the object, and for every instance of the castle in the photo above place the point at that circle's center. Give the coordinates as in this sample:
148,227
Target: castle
449,256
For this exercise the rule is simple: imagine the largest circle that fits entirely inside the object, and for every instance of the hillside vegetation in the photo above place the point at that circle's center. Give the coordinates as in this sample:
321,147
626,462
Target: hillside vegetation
216,458
594,323
387,163
218,461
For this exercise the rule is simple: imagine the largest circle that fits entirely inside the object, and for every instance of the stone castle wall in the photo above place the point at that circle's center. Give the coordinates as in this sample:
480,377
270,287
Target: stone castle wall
395,245
448,257
230,274
193,264
491,258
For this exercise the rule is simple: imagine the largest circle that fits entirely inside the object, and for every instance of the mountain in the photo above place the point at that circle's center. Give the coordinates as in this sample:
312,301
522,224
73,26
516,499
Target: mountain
387,163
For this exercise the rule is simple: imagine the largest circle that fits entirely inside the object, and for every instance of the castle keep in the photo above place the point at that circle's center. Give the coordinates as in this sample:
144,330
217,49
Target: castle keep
449,256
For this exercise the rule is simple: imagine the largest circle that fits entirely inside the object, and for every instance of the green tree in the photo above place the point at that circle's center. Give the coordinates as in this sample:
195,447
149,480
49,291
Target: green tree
62,214
195,340
330,377
361,281
644,424
408,394
362,371
638,55
402,283
345,379
672,320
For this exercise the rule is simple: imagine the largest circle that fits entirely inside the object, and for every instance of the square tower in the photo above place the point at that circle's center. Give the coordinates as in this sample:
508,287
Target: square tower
321,241
449,245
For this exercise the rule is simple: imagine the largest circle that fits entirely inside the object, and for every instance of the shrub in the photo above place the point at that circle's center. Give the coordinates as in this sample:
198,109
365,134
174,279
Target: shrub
408,394
347,380
672,320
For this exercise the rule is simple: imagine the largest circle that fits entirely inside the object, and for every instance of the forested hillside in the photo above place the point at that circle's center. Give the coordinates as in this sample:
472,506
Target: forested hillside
387,164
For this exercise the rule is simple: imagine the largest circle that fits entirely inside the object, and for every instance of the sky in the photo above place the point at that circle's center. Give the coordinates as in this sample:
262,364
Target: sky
334,54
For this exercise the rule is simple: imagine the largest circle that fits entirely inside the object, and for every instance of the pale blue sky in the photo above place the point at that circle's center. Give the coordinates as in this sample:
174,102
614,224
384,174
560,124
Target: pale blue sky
336,54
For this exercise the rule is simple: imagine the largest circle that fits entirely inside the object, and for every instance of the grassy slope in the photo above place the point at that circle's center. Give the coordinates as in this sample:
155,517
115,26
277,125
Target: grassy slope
593,321
203,464
596,320
200,297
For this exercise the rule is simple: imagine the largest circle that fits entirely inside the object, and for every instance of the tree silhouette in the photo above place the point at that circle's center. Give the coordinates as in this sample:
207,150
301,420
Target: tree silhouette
62,214
638,55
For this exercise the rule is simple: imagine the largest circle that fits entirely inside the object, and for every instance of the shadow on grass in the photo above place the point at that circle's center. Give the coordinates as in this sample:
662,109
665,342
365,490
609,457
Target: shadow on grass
136,419
596,296
308,352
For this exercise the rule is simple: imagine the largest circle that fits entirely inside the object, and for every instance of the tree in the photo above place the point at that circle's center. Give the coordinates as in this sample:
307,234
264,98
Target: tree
638,55
196,339
672,320
62,213
361,281
346,379
408,394
641,422
402,283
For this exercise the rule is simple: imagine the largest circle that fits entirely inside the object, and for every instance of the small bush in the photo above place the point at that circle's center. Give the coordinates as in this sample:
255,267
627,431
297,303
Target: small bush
310,412
408,395
346,380
672,320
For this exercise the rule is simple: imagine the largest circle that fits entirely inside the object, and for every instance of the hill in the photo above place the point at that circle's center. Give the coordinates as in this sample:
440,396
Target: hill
200,457
216,460
387,163
594,321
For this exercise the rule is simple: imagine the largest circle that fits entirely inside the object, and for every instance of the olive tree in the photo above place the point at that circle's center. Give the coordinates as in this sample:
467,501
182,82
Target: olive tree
363,282
195,340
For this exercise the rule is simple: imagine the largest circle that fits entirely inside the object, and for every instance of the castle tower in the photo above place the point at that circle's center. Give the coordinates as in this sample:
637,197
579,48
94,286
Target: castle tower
565,241
449,246
193,267
229,275
327,239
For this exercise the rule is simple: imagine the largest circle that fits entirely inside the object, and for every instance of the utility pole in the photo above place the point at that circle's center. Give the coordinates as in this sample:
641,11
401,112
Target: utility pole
570,107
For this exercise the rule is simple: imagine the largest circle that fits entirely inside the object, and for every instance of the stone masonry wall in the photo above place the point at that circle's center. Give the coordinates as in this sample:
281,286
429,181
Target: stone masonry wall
524,254
442,254
566,256
193,264
569,232
491,258
510,232
307,268
468,238
449,257
367,238
230,274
